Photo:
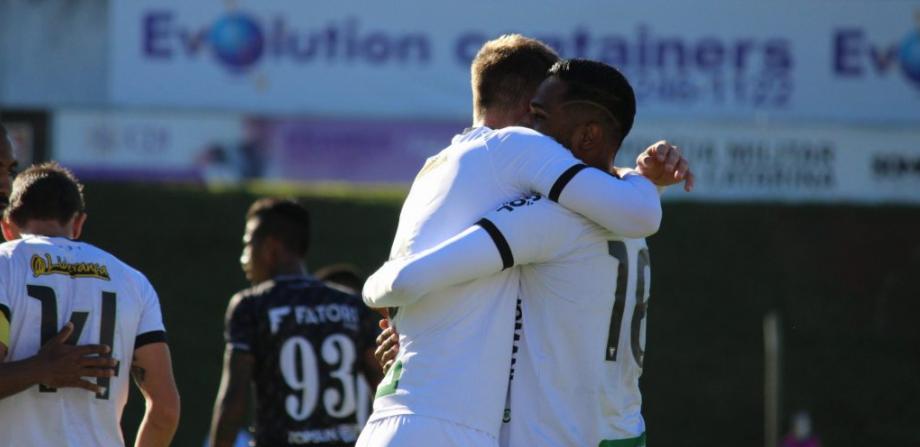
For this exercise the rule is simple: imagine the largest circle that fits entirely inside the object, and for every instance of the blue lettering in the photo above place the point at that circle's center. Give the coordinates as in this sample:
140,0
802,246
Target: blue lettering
846,50
155,31
191,40
777,56
742,47
580,39
614,51
883,59
674,47
277,37
377,48
332,39
302,48
467,46
416,44
710,54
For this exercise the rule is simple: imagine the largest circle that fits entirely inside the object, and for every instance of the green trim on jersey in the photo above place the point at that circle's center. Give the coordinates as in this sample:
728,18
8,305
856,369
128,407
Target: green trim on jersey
638,441
4,330
390,381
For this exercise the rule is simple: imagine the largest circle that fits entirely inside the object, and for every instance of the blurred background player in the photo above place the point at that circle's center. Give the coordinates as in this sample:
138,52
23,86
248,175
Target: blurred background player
299,342
49,278
579,281
342,275
348,277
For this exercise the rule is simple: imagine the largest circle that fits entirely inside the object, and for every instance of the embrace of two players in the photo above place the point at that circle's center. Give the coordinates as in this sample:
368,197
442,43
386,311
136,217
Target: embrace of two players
518,281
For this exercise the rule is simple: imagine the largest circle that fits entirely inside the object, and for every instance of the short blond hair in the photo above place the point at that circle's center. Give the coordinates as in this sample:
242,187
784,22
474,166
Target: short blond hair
506,72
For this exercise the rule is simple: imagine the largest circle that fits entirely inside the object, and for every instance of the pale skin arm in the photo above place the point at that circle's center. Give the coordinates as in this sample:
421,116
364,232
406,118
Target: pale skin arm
232,398
152,372
57,365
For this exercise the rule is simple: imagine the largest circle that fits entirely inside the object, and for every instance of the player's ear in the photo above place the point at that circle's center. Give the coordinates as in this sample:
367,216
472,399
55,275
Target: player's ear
592,136
10,230
78,220
274,249
581,142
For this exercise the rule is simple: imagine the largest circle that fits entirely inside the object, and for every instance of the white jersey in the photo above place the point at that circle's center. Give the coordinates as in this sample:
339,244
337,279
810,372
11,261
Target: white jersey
45,282
584,298
455,344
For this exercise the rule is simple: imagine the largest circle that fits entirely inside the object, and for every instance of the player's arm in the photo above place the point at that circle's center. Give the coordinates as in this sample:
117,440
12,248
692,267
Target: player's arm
665,165
230,406
57,364
367,364
629,207
233,395
152,372
521,232
387,346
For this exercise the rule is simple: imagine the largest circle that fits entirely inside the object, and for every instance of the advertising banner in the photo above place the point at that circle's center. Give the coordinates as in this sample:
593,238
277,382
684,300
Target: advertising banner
229,149
828,60
790,164
736,163
121,145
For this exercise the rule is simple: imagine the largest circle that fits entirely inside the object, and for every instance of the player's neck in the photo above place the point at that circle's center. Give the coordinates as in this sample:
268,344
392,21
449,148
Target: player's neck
495,119
293,268
49,228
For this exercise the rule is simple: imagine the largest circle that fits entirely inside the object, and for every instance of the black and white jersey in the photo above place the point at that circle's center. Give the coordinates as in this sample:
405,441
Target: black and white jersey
307,339
44,283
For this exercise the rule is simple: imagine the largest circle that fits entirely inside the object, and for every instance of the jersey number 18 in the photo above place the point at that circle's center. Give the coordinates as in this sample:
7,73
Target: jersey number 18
617,249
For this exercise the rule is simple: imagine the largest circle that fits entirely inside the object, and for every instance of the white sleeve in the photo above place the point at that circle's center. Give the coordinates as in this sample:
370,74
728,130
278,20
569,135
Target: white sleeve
523,231
464,257
534,229
528,161
150,329
6,307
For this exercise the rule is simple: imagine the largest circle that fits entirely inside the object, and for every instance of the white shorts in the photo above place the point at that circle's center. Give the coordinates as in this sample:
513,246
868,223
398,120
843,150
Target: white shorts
411,430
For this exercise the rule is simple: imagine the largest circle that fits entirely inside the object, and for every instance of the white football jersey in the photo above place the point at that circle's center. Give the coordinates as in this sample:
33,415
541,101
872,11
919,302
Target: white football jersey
45,282
455,344
584,299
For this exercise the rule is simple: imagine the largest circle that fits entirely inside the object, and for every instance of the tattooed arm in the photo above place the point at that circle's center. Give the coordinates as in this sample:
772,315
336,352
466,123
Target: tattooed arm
152,372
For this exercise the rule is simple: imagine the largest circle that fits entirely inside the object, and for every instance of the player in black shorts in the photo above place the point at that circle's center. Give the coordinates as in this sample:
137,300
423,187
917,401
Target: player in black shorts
298,341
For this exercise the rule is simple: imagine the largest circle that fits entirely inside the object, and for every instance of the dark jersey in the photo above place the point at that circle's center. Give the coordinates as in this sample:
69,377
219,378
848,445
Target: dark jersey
307,340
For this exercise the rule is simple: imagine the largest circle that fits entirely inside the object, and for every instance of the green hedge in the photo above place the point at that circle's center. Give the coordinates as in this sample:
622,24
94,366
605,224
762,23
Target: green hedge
844,279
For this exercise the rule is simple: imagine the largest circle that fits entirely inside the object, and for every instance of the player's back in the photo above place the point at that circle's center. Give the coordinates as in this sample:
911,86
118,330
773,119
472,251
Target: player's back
45,282
576,380
455,344
306,339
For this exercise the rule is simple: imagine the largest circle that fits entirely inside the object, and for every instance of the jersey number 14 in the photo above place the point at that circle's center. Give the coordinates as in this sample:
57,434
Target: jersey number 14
46,296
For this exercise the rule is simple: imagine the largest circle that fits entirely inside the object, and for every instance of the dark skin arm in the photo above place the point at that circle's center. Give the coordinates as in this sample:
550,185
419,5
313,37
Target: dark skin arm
56,365
370,368
232,398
